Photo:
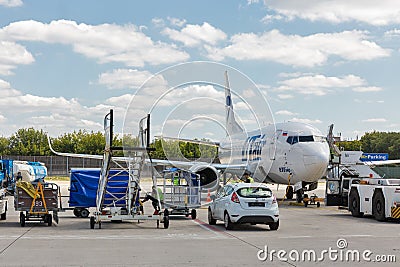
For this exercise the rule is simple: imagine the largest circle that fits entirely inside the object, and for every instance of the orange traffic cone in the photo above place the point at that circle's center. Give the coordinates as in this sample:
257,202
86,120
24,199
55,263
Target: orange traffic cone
208,196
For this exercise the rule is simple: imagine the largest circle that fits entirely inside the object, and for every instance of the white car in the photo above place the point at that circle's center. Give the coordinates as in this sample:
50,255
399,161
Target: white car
239,203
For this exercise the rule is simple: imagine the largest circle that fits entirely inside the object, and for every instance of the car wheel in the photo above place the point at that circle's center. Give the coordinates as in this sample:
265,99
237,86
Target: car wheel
378,206
211,220
227,222
274,226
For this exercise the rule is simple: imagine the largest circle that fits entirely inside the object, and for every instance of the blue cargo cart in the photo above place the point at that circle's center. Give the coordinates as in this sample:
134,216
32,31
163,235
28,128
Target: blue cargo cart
83,189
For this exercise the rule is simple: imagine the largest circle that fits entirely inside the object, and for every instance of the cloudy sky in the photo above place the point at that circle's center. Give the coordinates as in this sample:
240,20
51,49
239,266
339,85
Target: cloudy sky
63,64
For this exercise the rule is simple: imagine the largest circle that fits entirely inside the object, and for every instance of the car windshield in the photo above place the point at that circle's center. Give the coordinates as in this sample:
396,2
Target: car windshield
254,192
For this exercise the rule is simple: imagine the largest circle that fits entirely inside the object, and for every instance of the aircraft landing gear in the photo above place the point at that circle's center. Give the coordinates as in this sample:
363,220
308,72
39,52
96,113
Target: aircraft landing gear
299,195
289,192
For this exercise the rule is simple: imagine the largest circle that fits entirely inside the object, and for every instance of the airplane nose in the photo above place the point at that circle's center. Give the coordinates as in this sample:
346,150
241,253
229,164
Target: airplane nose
316,163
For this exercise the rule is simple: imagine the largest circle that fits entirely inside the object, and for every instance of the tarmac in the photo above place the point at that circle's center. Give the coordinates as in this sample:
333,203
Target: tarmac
303,231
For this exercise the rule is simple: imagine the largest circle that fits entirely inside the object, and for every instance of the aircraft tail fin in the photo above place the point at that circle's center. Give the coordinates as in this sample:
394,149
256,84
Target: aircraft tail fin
232,126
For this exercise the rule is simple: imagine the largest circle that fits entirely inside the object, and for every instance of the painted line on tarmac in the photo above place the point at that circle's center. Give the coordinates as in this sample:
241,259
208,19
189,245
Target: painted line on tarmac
15,240
131,237
210,228
295,237
358,236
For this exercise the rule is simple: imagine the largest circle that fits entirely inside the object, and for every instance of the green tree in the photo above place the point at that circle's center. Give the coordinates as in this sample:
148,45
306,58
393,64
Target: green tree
29,142
4,146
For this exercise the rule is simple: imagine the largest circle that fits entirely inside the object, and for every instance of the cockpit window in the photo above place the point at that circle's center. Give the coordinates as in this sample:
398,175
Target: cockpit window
292,140
304,138
307,138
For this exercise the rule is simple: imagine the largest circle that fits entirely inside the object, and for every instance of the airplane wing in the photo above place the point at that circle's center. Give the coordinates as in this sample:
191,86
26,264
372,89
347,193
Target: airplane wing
154,162
188,164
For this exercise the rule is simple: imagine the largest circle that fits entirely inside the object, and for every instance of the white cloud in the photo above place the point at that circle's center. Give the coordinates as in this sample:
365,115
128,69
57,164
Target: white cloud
392,33
123,78
309,121
177,22
158,22
249,2
2,119
105,42
11,55
285,112
11,3
53,114
194,35
383,12
285,96
367,89
319,84
375,120
296,50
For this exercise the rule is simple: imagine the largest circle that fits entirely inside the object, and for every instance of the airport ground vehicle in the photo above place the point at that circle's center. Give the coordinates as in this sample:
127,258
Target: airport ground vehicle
35,201
239,203
3,204
30,171
354,185
181,192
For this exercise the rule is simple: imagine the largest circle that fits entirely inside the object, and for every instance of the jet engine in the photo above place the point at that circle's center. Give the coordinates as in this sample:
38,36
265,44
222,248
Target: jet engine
209,176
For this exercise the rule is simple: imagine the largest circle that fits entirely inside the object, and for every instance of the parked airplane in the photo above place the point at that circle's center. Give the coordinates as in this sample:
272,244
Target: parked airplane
291,153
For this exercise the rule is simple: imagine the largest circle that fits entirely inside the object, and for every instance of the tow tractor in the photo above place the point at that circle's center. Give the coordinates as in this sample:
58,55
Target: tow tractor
354,185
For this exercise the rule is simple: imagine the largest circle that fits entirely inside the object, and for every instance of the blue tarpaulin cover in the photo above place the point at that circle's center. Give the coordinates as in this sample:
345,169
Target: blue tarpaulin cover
84,183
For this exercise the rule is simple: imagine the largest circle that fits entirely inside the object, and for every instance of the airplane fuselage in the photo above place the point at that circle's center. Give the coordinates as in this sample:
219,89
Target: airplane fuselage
279,152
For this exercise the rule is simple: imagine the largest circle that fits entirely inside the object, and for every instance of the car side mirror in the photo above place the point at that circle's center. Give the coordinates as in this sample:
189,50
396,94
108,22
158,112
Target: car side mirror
212,197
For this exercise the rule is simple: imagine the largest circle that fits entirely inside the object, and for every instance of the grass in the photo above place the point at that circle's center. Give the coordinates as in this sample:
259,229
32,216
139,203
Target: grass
57,178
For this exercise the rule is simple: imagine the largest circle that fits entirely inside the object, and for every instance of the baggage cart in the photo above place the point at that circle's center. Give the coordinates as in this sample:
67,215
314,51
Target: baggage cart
35,201
181,192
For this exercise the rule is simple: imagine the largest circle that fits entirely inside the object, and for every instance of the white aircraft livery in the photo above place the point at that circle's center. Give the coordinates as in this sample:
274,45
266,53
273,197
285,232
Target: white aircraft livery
291,153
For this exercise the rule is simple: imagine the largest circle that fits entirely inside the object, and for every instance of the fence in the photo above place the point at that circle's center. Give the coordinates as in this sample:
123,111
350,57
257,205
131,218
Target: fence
61,166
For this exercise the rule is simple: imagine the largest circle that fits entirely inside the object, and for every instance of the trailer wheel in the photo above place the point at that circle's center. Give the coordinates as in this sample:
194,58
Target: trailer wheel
22,219
354,204
378,206
166,221
193,213
84,213
77,212
92,222
49,219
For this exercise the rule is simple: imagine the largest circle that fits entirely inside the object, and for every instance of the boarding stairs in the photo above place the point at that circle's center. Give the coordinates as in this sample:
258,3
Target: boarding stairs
118,192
